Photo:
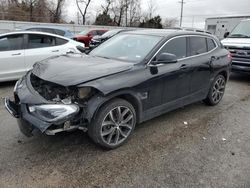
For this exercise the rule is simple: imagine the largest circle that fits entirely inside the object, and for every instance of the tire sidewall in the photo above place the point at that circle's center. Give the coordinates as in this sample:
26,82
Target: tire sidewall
95,126
210,97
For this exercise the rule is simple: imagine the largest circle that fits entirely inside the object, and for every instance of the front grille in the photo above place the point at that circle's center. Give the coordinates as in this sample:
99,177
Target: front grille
48,90
240,55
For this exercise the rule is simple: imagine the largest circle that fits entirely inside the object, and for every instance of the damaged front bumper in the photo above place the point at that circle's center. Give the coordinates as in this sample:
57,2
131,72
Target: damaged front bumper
34,113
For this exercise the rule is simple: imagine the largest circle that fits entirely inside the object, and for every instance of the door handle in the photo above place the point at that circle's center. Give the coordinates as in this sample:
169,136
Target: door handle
55,51
213,58
183,67
16,54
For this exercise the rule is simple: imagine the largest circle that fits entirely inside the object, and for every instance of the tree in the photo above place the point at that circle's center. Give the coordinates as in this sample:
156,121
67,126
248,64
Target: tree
154,22
104,19
85,4
151,9
170,22
31,4
56,11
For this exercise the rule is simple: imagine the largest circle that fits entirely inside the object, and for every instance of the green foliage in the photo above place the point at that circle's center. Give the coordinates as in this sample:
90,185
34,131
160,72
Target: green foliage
104,19
154,22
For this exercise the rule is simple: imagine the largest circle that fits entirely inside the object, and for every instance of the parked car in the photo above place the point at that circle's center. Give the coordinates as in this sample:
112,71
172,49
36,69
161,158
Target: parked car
238,43
86,35
51,29
133,77
97,40
20,50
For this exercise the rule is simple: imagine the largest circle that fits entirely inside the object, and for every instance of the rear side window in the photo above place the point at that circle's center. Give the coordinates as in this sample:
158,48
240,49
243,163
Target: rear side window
198,45
12,42
100,32
60,41
93,33
177,46
41,41
59,32
210,44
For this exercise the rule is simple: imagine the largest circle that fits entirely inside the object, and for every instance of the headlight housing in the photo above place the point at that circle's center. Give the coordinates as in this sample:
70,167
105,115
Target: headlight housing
54,112
84,92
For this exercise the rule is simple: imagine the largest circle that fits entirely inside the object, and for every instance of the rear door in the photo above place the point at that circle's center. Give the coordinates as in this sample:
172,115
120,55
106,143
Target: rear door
200,62
12,65
40,47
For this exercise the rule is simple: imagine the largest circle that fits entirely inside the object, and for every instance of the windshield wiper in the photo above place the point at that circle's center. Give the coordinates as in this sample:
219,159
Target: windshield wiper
239,35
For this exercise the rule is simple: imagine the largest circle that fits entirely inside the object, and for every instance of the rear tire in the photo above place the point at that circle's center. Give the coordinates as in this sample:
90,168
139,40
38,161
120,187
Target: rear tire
216,91
113,124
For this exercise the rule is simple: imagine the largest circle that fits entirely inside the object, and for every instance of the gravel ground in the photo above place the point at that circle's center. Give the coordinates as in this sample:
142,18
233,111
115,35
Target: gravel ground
212,150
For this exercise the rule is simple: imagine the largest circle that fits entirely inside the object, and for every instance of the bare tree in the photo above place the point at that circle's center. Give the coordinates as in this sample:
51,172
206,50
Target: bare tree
31,5
118,8
106,8
85,4
134,12
151,9
56,10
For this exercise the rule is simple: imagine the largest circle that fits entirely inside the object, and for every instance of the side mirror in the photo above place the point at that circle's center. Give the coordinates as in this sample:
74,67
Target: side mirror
89,35
226,34
165,58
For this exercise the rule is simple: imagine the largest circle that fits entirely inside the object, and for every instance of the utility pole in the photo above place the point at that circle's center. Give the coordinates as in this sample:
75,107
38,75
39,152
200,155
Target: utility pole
182,4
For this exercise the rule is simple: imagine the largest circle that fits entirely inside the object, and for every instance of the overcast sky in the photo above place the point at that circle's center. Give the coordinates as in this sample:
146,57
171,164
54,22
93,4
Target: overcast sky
195,11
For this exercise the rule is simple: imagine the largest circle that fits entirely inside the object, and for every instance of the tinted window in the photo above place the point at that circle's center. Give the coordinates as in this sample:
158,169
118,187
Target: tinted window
197,45
59,32
40,41
13,42
60,41
46,30
210,44
93,33
177,46
100,32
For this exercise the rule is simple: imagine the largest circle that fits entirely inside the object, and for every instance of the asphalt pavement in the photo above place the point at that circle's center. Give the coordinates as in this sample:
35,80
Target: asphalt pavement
195,146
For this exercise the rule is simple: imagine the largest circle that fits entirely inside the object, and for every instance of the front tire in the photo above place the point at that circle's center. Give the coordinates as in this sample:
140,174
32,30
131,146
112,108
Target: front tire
113,124
216,91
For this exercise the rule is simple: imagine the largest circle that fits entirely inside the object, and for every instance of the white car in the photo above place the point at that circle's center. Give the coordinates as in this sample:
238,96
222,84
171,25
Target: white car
20,50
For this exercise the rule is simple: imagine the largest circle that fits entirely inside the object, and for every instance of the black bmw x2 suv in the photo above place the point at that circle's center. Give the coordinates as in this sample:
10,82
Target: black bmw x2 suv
133,77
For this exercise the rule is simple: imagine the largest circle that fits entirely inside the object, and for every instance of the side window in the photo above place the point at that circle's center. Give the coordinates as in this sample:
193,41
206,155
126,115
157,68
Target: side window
197,45
40,41
60,41
177,46
59,32
101,32
46,30
210,44
12,42
93,33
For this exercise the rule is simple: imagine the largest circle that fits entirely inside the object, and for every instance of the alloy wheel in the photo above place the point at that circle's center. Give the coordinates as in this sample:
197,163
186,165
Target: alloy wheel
218,89
117,125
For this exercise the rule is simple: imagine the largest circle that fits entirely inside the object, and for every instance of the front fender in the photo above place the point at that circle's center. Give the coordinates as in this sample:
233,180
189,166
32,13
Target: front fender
99,100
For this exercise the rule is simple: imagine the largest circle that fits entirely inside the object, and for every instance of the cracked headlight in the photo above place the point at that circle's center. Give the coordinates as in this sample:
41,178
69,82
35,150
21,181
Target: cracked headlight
54,112
84,92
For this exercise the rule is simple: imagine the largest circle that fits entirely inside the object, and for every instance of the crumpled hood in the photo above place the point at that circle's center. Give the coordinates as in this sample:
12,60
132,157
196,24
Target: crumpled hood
241,42
70,70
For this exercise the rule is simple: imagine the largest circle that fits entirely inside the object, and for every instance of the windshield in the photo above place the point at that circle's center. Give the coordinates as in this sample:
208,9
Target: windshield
84,32
242,30
110,33
127,47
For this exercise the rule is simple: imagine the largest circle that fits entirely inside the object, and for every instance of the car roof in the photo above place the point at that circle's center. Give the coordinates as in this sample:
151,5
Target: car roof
168,32
44,27
33,32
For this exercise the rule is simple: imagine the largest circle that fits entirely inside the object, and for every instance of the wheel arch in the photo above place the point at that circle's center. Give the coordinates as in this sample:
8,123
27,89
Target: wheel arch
98,101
